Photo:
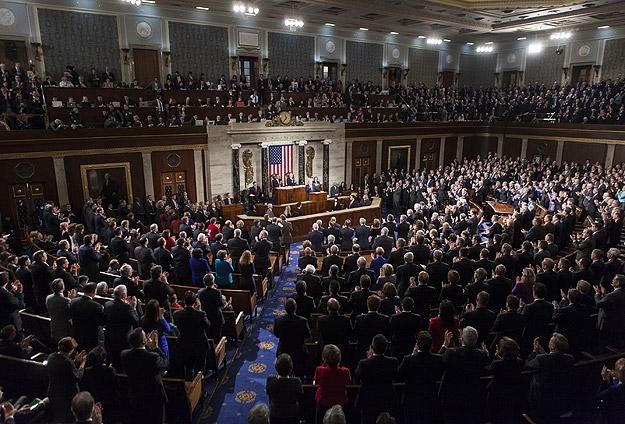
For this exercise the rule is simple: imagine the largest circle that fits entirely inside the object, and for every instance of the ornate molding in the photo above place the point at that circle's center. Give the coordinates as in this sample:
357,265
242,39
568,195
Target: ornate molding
236,146
326,142
302,143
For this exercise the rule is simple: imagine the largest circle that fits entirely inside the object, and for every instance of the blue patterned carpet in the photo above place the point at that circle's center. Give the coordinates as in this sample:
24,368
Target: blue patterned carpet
242,385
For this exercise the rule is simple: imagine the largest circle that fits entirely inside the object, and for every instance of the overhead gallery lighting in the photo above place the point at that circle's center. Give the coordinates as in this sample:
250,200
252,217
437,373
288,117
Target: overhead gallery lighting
329,24
561,35
149,1
394,33
421,36
293,24
364,29
484,49
535,48
446,40
521,38
133,2
603,27
202,8
470,43
434,41
249,10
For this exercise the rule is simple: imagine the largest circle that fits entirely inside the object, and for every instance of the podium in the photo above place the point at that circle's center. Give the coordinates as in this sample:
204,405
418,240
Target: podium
291,194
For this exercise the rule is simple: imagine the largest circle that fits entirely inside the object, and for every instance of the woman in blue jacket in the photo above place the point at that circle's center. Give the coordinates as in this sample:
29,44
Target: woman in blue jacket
199,267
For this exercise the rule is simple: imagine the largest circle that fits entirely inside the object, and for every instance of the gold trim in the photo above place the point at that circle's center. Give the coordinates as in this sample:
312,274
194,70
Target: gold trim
64,153
125,165
389,149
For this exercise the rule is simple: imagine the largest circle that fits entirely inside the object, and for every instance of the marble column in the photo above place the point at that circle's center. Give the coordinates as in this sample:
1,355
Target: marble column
441,153
236,171
148,177
326,163
499,146
417,154
199,175
609,155
459,148
61,181
301,161
348,162
559,151
523,148
264,148
378,156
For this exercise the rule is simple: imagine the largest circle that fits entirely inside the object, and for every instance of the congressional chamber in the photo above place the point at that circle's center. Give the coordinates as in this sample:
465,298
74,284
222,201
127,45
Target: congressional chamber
312,212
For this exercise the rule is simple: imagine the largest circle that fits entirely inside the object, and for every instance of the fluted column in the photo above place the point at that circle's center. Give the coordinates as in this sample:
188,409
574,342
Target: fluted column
326,163
236,172
264,148
301,161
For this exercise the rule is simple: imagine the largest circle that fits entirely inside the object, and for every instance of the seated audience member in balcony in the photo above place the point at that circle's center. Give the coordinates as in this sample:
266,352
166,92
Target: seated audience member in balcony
285,392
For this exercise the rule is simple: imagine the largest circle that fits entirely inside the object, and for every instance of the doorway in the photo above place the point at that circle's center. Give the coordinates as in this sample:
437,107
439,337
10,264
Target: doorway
27,202
249,70
12,52
510,79
329,70
147,65
581,74
393,77
361,167
173,183
447,79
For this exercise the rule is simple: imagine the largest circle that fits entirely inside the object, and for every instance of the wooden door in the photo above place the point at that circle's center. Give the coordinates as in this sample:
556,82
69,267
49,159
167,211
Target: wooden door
329,70
509,79
581,74
27,202
249,70
447,79
361,167
394,77
147,65
429,161
173,183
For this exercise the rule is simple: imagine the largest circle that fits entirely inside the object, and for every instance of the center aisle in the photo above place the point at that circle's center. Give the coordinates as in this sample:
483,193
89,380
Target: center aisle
243,385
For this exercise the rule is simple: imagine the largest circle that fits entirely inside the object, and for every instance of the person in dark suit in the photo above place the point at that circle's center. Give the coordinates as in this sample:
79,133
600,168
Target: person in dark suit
438,270
405,271
505,394
397,256
423,296
152,236
403,328
157,287
316,238
261,251
375,375
359,296
64,374
89,258
332,259
334,289
611,397
464,266
384,241
236,247
131,283
361,234
145,363
549,278
145,258
42,277
100,380
572,320
121,315
163,257
355,277
117,247
87,318
347,236
611,320
305,303
499,287
551,386
460,392
334,328
182,255
292,331
420,250
213,304
479,316
538,314
420,370
510,323
194,330
307,257
11,301
366,326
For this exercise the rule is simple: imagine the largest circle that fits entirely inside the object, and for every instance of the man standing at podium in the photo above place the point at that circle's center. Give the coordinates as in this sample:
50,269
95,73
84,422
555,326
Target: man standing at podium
290,180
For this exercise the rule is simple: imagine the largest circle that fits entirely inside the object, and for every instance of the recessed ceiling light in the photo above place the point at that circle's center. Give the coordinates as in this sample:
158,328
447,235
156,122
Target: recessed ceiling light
394,33
521,38
202,8
364,29
489,42
447,40
149,1
422,36
470,43
329,24
603,27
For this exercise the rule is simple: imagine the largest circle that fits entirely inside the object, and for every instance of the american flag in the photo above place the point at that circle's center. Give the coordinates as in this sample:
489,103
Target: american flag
281,160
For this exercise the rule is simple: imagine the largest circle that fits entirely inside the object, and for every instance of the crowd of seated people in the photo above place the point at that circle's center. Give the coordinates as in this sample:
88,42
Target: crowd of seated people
358,102
437,293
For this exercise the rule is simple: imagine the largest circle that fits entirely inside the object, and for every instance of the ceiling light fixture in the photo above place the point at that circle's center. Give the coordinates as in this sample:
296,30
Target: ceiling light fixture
521,38
202,8
422,36
447,40
293,24
434,41
561,35
149,1
535,48
394,33
364,29
603,27
249,10
488,43
484,49
329,24
470,43
133,2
